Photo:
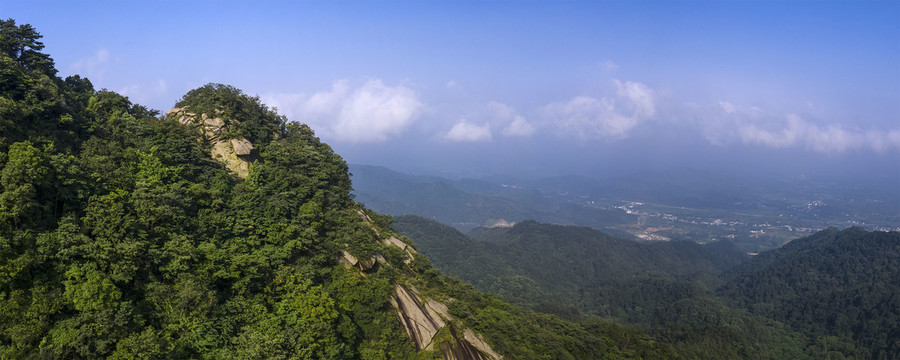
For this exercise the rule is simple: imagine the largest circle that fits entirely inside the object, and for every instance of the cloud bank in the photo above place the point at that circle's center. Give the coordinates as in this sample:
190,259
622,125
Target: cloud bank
607,117
797,132
464,131
515,124
371,112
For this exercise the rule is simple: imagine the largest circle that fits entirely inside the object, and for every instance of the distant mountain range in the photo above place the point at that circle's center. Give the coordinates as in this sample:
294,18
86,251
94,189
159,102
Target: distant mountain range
468,203
753,213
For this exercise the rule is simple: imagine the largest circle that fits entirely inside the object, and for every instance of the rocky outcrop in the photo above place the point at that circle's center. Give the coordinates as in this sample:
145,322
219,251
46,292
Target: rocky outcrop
364,265
421,319
472,348
478,343
237,154
410,252
425,320
241,146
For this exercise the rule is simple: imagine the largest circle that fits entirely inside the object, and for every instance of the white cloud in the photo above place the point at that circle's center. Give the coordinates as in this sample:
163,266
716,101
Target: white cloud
515,124
464,131
501,110
519,127
609,65
372,112
795,131
724,123
611,117
640,96
143,93
727,107
94,65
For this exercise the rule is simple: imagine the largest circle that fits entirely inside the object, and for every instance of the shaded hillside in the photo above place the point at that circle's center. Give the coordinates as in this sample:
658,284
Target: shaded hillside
577,272
563,258
841,283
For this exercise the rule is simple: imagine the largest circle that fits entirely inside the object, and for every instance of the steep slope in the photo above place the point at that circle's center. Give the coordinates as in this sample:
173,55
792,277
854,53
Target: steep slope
122,237
842,284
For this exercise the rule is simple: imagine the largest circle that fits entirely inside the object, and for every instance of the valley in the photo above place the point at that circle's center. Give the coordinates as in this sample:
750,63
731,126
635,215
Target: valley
679,204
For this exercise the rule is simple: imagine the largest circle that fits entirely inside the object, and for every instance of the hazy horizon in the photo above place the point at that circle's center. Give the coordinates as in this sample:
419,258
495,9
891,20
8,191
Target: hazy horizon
782,89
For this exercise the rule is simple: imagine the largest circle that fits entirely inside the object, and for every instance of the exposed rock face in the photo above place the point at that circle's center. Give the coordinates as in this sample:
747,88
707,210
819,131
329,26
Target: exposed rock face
472,348
241,146
363,264
410,252
235,153
483,347
348,259
423,320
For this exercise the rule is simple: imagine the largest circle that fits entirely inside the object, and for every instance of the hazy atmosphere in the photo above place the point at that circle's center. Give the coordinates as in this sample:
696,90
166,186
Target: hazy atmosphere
525,88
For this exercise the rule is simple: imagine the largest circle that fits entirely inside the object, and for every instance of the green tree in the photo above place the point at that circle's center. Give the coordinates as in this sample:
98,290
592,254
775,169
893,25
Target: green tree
21,43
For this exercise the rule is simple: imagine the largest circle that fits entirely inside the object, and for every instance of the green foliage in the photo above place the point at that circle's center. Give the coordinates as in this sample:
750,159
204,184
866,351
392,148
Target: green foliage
536,263
834,286
89,289
25,181
21,44
244,116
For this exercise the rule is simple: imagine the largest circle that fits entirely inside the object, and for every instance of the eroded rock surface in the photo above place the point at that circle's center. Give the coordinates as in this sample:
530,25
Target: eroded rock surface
241,146
236,153
424,319
410,252
420,320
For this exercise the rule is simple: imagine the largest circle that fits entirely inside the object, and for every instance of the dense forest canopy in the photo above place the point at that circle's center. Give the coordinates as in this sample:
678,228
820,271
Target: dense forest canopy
836,284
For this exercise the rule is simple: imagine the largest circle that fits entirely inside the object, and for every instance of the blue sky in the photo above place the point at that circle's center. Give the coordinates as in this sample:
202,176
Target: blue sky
530,87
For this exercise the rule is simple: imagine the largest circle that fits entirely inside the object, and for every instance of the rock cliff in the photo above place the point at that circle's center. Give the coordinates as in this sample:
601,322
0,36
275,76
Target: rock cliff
237,154
426,320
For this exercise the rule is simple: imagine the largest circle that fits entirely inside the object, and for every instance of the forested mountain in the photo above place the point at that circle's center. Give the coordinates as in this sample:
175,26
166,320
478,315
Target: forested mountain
566,258
838,301
220,230
834,283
